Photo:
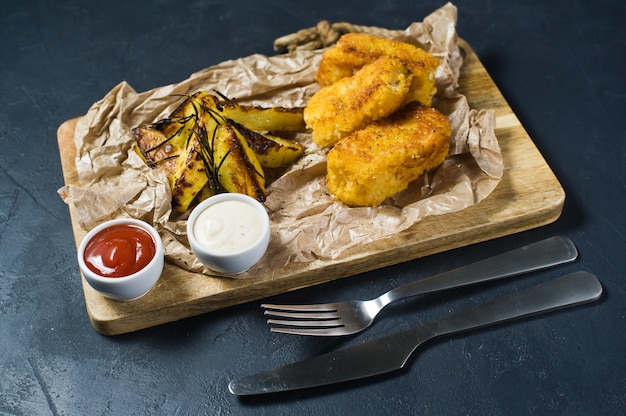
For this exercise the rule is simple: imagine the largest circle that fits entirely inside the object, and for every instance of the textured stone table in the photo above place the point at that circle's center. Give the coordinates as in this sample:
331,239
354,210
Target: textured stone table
560,66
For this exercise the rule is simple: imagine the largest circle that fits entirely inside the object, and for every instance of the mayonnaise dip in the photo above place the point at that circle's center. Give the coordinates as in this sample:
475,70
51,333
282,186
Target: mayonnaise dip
228,226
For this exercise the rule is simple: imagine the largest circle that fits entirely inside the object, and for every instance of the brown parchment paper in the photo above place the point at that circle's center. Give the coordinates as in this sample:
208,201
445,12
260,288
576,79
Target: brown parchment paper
307,223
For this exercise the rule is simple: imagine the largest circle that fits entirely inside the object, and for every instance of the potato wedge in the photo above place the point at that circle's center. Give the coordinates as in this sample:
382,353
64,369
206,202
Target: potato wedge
161,142
276,119
179,127
184,166
238,169
151,148
189,177
204,148
271,151
172,143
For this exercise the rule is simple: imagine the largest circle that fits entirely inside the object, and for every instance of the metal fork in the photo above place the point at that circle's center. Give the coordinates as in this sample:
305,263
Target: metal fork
350,317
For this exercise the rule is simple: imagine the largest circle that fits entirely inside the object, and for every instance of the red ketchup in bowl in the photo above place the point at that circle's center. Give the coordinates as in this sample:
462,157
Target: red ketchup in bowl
119,250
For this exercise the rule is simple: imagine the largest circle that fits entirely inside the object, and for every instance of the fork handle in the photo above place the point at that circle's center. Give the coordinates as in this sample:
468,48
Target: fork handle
572,289
540,255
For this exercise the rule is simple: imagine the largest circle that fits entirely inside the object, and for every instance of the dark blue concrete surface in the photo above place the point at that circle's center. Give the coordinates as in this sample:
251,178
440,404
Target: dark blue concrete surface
561,66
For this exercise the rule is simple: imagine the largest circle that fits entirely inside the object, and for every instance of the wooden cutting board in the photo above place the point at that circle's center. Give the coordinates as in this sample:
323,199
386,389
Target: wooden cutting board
528,196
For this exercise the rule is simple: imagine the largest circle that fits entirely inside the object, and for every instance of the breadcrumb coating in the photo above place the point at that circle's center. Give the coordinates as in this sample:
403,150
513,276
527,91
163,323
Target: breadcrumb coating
375,163
375,91
354,50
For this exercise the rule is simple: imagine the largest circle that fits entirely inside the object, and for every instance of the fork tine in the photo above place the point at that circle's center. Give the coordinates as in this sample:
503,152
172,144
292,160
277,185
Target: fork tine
328,307
330,332
302,315
334,323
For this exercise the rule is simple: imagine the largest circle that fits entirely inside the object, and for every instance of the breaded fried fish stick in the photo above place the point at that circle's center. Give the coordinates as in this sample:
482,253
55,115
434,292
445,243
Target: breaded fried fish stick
381,160
375,91
354,50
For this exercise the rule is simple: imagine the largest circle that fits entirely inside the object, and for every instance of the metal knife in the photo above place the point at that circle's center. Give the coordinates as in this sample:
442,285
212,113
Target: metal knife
392,352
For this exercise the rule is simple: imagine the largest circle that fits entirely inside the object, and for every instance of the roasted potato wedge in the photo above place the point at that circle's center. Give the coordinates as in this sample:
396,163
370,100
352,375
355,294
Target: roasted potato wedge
205,148
153,149
190,176
271,151
238,169
275,119
172,143
180,125
184,166
160,143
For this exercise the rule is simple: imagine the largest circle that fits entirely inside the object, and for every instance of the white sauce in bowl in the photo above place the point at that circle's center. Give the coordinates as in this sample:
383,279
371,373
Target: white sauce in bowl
228,227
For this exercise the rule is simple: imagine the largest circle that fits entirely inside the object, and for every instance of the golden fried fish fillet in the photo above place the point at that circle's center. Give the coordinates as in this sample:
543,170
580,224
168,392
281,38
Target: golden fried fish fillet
354,50
373,92
381,160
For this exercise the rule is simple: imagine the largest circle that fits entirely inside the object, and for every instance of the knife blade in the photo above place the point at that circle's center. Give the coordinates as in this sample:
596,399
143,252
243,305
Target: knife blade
392,352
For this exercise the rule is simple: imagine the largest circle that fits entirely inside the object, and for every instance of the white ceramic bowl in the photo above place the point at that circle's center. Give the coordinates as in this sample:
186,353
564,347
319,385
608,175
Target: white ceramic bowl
212,243
131,286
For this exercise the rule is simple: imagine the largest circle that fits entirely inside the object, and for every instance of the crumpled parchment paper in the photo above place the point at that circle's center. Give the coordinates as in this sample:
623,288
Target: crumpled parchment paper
307,223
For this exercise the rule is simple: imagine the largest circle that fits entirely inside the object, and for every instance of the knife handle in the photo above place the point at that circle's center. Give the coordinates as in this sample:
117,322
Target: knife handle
540,255
572,289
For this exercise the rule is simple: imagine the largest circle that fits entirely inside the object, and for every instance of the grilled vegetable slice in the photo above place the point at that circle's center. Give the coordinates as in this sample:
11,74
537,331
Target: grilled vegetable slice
271,151
172,143
189,177
180,125
276,119
152,150
204,147
238,169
